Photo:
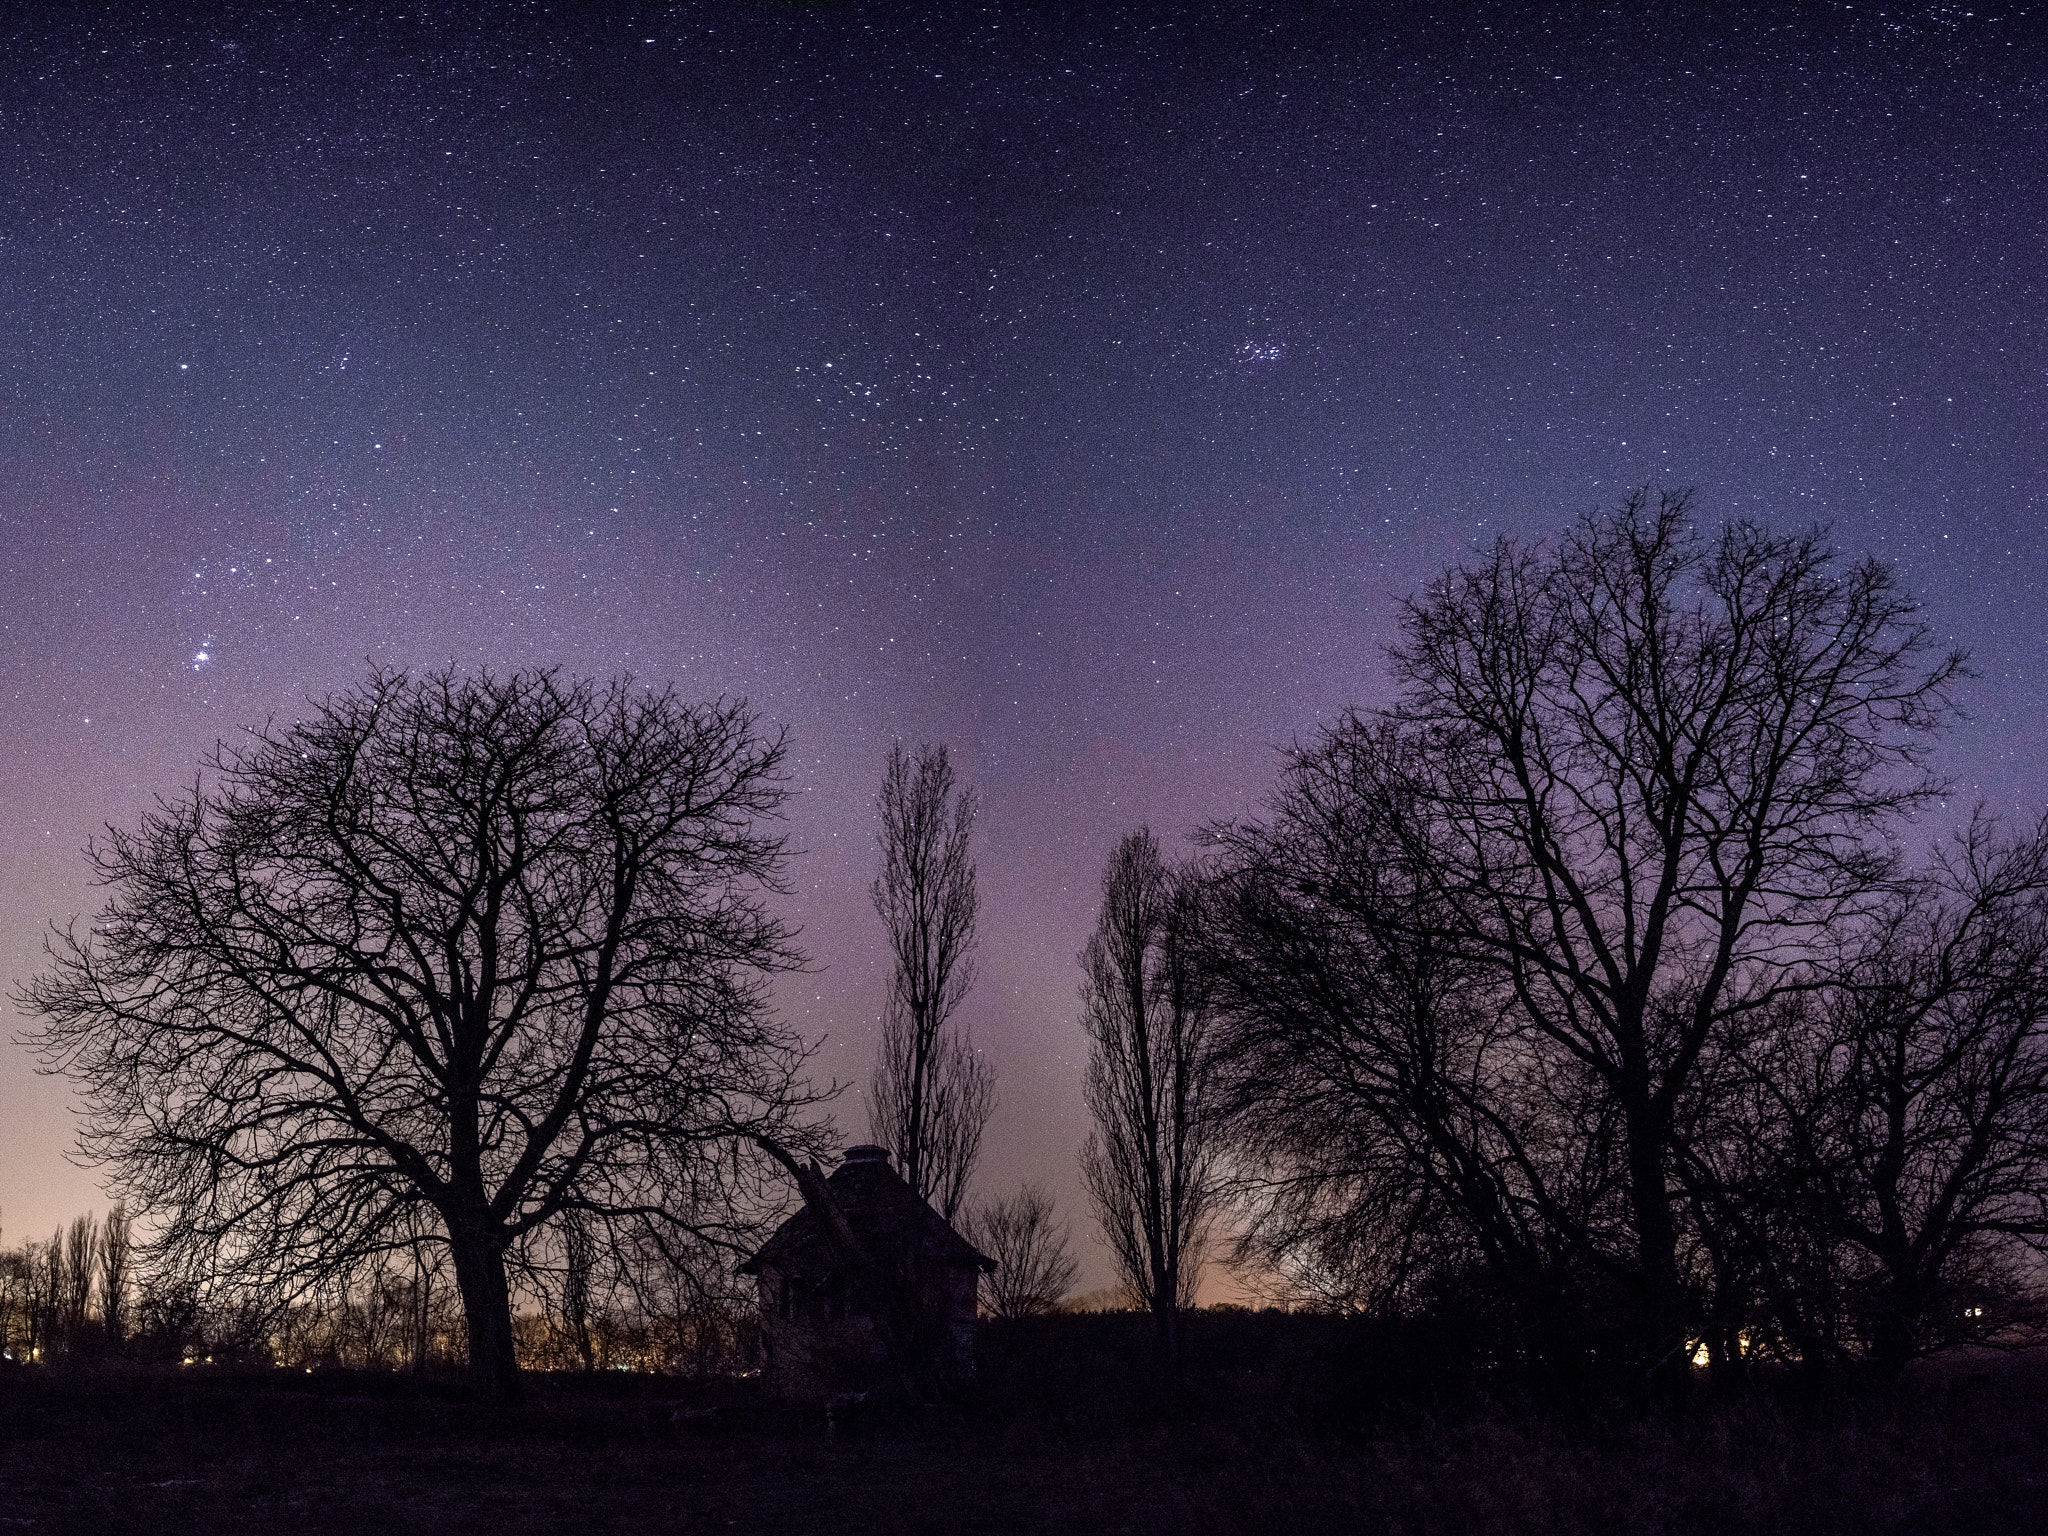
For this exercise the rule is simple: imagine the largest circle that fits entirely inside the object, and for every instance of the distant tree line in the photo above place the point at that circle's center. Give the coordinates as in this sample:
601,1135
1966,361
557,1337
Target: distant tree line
77,1300
74,1296
1600,989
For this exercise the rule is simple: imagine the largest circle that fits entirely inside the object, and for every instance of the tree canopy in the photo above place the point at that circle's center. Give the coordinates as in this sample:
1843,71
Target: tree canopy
1635,796
451,959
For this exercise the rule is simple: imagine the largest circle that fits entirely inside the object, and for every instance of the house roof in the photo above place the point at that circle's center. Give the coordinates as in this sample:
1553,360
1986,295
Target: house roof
886,1215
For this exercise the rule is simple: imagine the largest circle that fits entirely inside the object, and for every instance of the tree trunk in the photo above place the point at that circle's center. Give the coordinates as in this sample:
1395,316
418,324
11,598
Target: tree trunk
1555,1330
1166,1327
1892,1331
1165,1280
1725,1365
1661,1336
1811,1336
487,1308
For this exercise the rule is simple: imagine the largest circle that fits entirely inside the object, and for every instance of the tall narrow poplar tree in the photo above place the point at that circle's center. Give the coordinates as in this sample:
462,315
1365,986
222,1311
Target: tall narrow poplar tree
931,1095
1148,1164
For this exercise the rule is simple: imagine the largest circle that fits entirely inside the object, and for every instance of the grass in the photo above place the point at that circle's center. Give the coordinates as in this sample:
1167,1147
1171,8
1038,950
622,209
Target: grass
1066,1433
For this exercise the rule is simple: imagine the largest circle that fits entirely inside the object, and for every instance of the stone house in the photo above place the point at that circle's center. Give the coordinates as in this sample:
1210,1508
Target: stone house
827,1315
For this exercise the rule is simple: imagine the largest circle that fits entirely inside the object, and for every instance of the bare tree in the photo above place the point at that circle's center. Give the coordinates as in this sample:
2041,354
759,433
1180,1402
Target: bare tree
17,1286
117,1247
1925,1122
1659,766
1498,973
1149,1162
47,1339
451,955
427,1264
1359,1059
81,1263
931,1094
167,1317
1035,1268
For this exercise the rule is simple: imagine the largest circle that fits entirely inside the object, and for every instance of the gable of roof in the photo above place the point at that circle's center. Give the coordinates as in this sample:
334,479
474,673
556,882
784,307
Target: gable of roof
888,1219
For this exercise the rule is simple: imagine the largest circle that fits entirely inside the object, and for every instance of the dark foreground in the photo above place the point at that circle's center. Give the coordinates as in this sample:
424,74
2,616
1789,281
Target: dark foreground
1960,1449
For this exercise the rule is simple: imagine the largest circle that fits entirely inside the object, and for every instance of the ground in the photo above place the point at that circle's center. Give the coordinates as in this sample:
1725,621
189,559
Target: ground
115,1451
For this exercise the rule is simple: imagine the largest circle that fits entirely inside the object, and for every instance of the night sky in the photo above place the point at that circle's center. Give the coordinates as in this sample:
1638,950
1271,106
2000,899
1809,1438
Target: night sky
1078,390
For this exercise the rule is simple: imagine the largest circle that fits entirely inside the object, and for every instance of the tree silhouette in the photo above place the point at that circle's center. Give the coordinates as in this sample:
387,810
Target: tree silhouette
1148,1163
452,955
81,1263
1639,779
931,1095
1662,759
1924,1120
1033,1266
117,1248
1358,1057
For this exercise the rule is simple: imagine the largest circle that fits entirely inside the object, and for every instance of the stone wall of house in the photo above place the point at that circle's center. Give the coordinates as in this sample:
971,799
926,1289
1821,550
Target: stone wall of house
817,1344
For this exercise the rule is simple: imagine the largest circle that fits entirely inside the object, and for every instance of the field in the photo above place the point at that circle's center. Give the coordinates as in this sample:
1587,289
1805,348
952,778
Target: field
1066,1433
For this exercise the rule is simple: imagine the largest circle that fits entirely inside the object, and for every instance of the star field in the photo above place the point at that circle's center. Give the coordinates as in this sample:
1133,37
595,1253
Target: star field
1079,390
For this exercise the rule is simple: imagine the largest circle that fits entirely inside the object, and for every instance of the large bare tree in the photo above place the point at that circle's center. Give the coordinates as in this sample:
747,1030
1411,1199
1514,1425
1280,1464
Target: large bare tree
1509,971
1659,766
1148,1164
931,1094
453,955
